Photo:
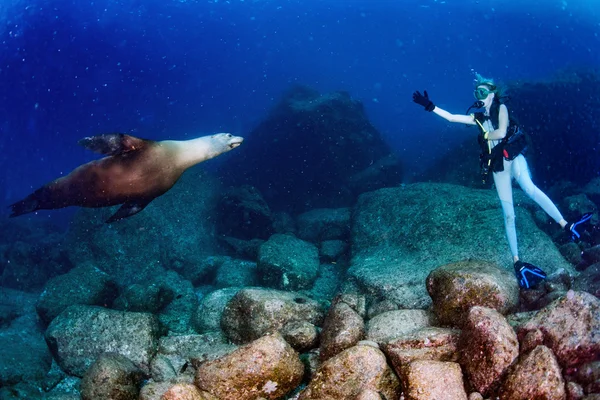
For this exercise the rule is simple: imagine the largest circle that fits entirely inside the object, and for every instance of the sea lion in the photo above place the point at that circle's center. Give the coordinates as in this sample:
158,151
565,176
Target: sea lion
134,172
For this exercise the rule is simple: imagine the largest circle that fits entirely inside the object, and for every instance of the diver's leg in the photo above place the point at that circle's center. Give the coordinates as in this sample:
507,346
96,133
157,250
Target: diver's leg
520,171
502,180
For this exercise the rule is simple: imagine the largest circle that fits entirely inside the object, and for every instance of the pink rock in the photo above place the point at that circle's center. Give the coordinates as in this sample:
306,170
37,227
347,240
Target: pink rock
426,380
570,327
536,376
488,346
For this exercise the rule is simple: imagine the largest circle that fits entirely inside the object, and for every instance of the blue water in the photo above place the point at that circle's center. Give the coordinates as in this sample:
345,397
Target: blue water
177,69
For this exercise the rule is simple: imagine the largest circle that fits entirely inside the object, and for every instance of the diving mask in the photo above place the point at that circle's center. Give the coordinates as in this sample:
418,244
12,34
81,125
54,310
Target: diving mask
482,92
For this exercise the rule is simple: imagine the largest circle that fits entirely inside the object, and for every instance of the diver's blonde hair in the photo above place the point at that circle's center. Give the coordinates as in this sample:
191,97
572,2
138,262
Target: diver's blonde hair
500,90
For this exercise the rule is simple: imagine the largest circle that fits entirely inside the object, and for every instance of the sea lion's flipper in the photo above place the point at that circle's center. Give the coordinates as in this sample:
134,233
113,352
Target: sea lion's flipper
111,144
40,199
25,206
128,209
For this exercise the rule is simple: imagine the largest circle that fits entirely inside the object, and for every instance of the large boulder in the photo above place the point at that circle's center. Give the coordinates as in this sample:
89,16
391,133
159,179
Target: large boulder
253,312
243,213
82,285
27,262
399,235
324,141
80,334
288,263
456,288
569,326
267,368
343,328
427,379
349,373
111,377
175,231
488,347
435,344
324,224
24,356
536,376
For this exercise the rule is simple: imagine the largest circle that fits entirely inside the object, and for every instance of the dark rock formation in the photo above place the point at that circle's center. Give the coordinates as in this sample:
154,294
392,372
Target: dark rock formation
313,151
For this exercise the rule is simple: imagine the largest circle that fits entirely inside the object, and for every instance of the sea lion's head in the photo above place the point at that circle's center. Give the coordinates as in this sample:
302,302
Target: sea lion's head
227,141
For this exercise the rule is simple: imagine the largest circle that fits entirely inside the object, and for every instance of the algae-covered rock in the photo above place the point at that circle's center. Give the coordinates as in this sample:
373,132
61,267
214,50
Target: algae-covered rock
253,312
570,327
436,344
457,287
80,334
536,376
488,347
343,328
426,379
267,368
288,263
401,234
349,373
111,377
392,324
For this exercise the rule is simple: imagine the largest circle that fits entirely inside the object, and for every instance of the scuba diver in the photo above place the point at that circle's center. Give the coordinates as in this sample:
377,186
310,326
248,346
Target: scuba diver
503,144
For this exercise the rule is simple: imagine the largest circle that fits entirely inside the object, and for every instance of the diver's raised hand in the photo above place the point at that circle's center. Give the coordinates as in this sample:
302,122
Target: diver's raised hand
423,100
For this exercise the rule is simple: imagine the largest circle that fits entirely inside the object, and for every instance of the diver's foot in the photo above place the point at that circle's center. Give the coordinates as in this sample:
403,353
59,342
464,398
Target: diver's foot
576,229
528,275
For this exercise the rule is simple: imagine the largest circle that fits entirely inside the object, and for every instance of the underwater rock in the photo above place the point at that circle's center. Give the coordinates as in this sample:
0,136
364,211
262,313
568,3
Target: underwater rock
301,335
243,213
349,373
592,190
572,253
80,334
536,376
488,346
305,152
324,224
267,367
177,314
399,235
332,250
27,265
144,297
24,355
343,328
186,391
368,394
455,288
426,379
592,254
245,249
175,231
111,377
207,317
288,263
185,350
569,325
253,312
328,282
435,344
237,273
174,390
82,285
390,325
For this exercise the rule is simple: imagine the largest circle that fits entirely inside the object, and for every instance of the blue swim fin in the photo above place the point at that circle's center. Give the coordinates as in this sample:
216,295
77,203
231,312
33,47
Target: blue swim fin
575,229
528,275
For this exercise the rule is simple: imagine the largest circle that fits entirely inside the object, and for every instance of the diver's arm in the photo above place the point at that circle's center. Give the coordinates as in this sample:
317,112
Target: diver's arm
500,133
423,100
459,118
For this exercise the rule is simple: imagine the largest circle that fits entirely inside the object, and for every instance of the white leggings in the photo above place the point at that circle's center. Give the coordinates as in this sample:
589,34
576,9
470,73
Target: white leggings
518,169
